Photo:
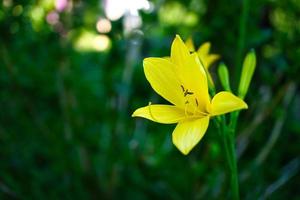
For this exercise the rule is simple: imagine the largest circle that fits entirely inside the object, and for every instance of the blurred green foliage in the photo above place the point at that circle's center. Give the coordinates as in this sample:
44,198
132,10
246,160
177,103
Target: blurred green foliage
65,125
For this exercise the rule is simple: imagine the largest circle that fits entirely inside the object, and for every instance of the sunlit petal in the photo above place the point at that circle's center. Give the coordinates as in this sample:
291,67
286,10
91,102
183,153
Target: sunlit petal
163,79
191,73
211,59
188,133
196,81
165,114
206,58
225,102
179,52
190,45
204,49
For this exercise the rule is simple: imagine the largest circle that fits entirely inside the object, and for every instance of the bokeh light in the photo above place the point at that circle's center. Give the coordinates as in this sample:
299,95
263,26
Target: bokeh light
52,18
88,41
37,14
17,10
115,9
61,5
7,3
174,13
103,25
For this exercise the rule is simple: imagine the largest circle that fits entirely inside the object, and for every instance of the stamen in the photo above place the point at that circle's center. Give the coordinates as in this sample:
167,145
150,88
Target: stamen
182,88
185,110
194,112
200,112
195,108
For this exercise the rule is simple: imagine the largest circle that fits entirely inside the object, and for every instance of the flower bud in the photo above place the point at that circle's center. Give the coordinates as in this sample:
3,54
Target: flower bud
247,73
224,76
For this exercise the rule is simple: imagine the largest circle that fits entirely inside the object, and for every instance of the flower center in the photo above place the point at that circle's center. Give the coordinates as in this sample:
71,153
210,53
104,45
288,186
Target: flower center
191,103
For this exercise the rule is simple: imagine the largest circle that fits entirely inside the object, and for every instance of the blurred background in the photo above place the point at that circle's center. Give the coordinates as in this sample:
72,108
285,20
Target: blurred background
71,75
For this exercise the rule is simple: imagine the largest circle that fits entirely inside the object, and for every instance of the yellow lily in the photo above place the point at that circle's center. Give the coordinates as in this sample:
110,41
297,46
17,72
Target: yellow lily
206,58
182,81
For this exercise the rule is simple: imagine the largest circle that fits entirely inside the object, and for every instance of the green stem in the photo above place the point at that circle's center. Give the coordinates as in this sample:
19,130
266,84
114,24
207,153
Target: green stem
233,120
241,39
234,180
227,149
225,141
228,134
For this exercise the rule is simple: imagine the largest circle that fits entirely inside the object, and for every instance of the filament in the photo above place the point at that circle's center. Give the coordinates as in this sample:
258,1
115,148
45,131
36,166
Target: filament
150,112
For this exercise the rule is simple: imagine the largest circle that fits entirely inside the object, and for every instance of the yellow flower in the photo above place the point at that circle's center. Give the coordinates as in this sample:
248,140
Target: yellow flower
189,43
182,81
206,58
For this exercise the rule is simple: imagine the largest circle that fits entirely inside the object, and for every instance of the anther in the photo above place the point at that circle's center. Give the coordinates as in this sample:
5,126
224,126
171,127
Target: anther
182,88
187,93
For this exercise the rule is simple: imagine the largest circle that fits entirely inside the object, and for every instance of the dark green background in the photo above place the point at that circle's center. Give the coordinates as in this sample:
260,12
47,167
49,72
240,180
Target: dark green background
66,130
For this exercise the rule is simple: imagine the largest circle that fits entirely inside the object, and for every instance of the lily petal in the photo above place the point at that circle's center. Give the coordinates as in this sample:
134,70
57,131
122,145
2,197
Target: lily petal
190,72
204,49
165,114
206,58
190,44
163,79
181,57
225,102
211,59
188,133
179,52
